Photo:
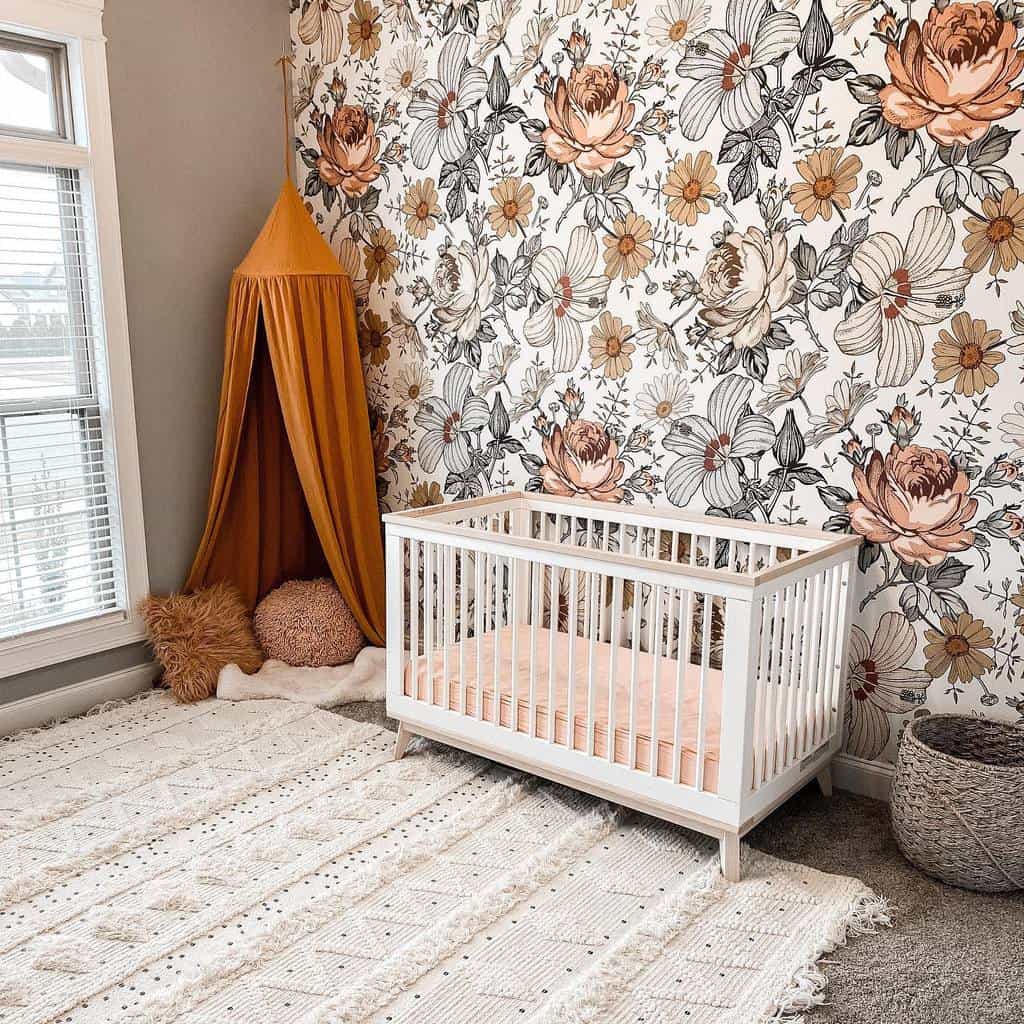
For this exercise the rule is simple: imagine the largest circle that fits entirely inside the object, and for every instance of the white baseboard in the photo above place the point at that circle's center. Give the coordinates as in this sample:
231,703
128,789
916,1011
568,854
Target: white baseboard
68,701
868,778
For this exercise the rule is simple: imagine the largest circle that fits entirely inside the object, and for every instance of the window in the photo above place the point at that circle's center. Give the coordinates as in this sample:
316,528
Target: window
71,557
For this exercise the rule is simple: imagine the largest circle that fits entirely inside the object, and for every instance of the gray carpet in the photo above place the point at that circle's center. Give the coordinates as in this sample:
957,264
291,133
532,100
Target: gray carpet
954,957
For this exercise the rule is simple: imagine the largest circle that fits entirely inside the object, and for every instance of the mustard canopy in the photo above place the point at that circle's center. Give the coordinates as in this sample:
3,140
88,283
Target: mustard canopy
293,492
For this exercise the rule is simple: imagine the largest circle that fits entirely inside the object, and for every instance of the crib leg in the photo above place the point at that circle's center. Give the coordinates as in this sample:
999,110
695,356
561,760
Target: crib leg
729,854
825,780
402,741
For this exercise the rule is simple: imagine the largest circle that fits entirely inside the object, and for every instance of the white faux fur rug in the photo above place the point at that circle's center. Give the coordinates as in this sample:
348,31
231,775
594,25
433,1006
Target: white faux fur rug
363,679
268,862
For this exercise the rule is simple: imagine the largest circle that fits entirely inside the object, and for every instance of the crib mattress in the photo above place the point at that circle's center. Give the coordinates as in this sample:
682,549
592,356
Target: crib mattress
692,708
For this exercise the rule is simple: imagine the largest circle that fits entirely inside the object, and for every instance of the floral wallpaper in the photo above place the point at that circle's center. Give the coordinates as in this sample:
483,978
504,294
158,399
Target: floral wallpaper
759,259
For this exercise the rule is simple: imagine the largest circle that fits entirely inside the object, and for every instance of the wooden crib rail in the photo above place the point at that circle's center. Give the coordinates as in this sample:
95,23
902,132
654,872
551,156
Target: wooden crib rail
789,553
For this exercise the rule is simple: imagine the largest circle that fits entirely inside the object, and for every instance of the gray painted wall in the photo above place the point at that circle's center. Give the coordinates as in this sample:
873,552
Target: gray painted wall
196,104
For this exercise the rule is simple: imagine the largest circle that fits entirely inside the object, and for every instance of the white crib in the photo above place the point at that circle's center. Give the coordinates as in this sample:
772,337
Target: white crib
688,667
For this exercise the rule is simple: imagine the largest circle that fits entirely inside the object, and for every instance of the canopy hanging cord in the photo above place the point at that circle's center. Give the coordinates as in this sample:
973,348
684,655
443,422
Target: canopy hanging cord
286,62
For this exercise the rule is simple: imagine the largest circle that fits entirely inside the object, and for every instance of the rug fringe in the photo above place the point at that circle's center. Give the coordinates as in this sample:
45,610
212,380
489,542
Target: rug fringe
119,704
806,989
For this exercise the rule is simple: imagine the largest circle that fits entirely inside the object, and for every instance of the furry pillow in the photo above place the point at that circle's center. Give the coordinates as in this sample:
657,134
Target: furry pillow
195,635
307,622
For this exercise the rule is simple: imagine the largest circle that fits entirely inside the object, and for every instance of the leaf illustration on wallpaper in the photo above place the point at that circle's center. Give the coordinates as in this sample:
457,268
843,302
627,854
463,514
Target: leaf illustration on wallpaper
755,260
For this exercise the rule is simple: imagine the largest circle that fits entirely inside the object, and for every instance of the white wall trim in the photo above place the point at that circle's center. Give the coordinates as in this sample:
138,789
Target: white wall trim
867,778
68,701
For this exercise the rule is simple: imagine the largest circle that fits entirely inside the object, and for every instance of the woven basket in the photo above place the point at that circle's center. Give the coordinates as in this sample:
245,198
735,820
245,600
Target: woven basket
958,801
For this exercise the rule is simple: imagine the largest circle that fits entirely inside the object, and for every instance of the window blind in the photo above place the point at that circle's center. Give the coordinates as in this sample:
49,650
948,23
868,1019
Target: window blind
60,551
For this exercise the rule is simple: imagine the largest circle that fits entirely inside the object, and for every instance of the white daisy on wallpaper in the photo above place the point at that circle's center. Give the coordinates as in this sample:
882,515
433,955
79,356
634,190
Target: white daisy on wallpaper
663,400
675,23
406,71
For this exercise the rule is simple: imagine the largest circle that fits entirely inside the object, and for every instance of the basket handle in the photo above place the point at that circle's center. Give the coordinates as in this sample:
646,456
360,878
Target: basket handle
1016,882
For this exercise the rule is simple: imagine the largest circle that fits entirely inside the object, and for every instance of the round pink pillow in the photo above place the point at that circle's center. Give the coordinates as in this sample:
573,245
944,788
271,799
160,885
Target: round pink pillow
307,622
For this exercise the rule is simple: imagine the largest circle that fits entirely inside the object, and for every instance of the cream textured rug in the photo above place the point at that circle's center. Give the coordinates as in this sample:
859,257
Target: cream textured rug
267,862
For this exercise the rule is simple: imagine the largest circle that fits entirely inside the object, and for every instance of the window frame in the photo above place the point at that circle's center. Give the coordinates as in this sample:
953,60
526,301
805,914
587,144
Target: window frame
56,55
75,26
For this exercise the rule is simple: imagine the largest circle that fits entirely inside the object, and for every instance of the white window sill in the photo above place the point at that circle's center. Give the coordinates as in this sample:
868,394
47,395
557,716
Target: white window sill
57,644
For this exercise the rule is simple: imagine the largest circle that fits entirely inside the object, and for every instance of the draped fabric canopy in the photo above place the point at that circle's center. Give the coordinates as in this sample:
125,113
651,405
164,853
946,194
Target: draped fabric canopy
293,492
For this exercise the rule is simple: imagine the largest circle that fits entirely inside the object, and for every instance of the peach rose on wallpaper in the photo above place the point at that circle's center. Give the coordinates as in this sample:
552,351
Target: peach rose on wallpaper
915,500
582,459
589,117
746,279
954,76
348,150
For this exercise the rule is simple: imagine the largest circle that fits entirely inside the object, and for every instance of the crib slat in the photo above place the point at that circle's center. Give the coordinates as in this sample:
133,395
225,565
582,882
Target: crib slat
760,694
500,618
592,598
803,674
683,644
827,625
785,665
834,666
705,664
428,617
809,714
613,664
573,623
553,614
796,669
828,598
515,600
634,667
463,622
774,684
655,647
445,614
414,616
478,630
537,582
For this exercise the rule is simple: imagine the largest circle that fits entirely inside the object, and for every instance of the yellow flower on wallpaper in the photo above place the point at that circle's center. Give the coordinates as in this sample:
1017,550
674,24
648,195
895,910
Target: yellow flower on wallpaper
426,494
626,249
374,338
958,647
829,179
967,356
610,350
364,30
379,256
689,186
998,237
513,201
420,208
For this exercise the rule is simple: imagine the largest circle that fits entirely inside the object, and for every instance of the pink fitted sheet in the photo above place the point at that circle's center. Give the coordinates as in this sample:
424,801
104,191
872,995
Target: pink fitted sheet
558,681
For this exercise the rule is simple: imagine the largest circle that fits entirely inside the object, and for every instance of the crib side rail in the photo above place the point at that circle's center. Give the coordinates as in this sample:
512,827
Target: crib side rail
520,544
799,633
